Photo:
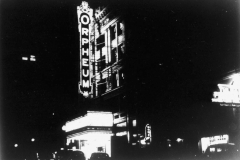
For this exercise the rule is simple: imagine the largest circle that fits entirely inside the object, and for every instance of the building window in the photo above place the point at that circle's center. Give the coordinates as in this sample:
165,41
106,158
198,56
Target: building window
102,86
100,42
120,51
121,77
123,124
113,32
101,63
114,80
119,28
114,56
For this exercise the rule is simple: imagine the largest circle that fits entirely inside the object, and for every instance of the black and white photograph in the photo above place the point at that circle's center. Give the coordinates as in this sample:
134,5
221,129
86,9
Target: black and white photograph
119,79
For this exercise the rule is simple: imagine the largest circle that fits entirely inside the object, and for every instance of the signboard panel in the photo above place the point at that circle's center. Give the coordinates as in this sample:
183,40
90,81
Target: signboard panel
148,134
84,21
208,141
229,94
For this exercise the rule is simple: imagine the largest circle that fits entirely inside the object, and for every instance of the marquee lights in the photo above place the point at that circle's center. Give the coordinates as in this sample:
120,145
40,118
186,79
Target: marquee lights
84,20
96,119
229,94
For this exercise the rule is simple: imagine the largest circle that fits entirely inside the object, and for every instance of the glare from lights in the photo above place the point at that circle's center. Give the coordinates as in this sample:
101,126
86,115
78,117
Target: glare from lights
143,142
25,58
16,145
123,133
85,94
212,149
179,140
32,58
74,148
134,123
32,139
64,128
219,150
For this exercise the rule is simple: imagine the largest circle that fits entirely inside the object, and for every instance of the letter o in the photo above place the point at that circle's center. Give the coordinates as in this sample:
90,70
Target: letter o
85,22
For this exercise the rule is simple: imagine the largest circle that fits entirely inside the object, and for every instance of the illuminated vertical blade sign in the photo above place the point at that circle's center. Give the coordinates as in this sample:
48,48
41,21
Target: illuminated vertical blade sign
148,134
84,20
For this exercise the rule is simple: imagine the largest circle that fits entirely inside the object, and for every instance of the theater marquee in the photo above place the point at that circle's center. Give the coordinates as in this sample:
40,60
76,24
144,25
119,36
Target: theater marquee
84,20
229,94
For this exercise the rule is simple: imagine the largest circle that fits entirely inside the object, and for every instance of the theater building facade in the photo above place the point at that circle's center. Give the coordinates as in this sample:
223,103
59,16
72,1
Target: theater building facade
105,84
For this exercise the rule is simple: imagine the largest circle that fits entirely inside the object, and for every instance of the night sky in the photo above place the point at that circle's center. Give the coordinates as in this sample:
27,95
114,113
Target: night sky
190,46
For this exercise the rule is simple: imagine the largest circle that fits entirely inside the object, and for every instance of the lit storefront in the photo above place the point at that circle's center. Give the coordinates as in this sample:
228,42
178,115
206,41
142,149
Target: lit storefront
90,133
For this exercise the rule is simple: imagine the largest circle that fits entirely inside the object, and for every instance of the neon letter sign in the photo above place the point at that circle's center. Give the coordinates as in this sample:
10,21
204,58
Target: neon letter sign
84,20
148,134
229,94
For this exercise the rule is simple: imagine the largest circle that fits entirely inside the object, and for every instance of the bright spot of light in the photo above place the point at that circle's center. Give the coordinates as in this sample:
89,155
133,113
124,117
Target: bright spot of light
53,114
25,58
235,79
32,139
179,140
16,145
169,145
32,58
85,94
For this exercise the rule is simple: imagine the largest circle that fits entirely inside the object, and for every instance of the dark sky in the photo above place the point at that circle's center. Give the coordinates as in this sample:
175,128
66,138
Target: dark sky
190,45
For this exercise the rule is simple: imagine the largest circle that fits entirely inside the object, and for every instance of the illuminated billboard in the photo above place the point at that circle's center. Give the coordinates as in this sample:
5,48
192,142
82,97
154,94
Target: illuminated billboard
229,94
208,141
84,20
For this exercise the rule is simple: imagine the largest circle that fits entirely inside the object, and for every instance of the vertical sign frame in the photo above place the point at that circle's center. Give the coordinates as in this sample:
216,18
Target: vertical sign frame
84,13
148,134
